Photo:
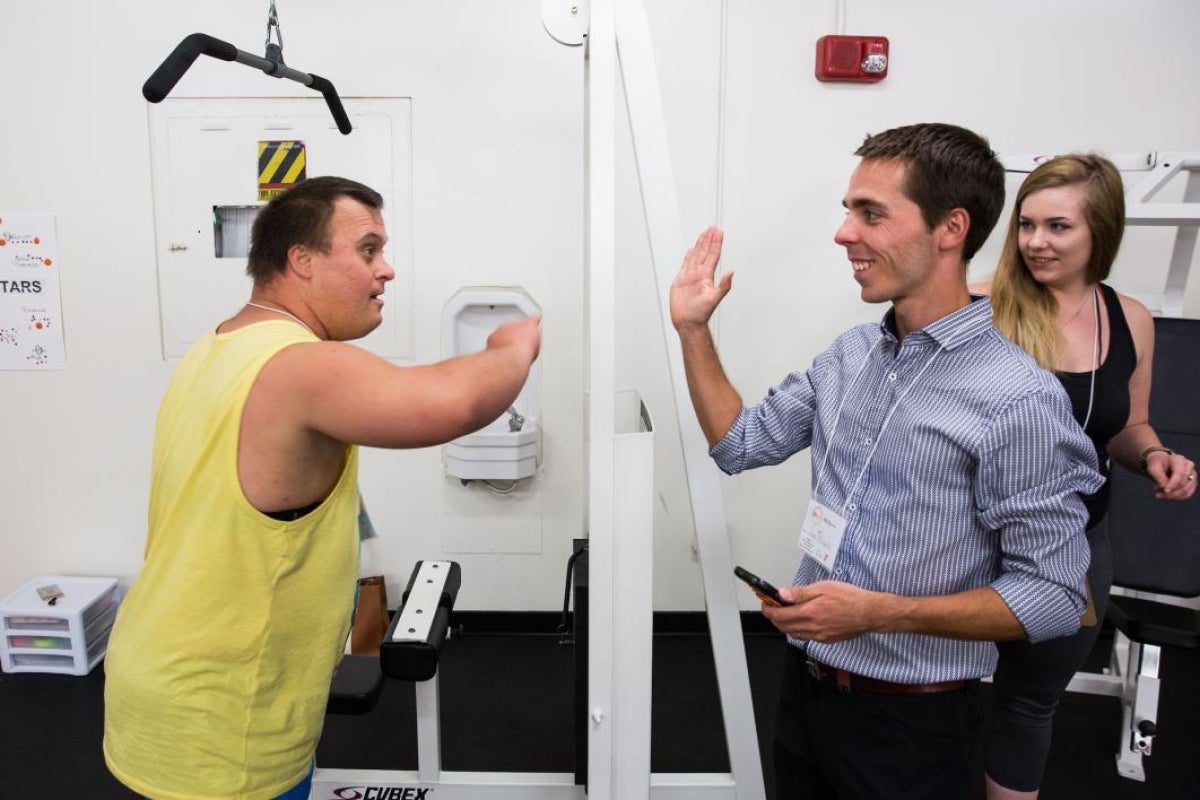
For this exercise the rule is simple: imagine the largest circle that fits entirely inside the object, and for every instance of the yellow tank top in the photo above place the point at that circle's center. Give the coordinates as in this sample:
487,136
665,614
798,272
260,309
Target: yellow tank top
219,664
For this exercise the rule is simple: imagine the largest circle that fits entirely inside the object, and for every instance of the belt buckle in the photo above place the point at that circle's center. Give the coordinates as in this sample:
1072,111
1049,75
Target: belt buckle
822,674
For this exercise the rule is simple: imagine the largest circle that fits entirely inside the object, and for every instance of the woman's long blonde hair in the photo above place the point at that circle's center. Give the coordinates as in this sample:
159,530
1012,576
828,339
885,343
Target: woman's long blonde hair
1025,310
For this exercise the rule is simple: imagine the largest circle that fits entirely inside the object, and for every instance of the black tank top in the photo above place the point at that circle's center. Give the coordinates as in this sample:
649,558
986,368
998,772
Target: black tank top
1110,406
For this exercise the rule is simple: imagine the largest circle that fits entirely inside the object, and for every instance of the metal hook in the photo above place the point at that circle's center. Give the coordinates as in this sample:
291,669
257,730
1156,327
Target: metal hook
274,49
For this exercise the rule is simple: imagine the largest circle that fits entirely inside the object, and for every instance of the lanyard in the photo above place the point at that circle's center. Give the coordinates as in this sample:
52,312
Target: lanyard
886,420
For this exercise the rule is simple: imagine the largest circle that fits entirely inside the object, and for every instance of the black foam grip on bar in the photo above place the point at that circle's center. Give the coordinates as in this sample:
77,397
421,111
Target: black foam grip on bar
160,84
335,103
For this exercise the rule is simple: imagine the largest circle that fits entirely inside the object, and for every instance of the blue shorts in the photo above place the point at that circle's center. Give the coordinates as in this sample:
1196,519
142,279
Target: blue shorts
300,791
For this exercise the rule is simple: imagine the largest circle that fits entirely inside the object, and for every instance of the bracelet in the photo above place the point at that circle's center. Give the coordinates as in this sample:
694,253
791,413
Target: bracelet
1154,448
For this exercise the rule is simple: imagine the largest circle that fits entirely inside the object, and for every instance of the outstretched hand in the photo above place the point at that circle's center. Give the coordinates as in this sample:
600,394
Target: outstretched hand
695,292
524,335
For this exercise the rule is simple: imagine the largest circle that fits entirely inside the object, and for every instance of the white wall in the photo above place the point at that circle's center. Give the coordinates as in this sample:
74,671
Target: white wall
498,199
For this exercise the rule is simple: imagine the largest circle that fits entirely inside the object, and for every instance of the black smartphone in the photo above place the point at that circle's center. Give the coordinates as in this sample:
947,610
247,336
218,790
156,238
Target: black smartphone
765,591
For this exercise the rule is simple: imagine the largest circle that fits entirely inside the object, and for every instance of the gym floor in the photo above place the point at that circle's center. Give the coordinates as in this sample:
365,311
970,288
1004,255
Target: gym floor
507,705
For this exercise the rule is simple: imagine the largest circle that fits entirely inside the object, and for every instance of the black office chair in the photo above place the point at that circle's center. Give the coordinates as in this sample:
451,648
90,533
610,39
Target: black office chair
1156,547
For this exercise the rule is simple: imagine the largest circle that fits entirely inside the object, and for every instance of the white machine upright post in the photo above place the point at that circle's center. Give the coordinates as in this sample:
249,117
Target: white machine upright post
632,661
429,730
660,200
600,179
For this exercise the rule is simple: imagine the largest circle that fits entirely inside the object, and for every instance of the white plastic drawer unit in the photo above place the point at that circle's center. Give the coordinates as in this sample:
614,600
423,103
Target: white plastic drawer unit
68,636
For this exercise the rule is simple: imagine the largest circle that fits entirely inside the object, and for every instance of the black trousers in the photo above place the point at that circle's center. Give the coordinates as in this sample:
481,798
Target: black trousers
842,746
1031,678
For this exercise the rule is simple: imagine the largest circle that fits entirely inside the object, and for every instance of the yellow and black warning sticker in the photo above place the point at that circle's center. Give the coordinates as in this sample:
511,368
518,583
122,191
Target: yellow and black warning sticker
281,165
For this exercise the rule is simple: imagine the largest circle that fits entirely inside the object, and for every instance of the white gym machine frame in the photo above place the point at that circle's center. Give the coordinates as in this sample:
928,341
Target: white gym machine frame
1132,674
616,39
1185,215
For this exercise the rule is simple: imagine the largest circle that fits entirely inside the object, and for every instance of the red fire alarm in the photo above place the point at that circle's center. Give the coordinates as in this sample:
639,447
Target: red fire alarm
852,58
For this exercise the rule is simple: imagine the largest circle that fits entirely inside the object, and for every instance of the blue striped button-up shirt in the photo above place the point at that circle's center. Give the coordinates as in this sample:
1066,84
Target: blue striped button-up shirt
956,464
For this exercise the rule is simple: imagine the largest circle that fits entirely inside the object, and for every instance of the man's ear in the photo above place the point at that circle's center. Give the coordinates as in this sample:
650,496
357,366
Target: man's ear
300,260
951,232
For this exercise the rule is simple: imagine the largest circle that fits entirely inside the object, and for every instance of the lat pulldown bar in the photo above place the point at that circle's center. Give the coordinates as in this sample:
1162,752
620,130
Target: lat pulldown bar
160,84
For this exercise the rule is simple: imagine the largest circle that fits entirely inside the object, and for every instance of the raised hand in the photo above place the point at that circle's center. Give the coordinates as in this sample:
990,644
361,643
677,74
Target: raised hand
695,292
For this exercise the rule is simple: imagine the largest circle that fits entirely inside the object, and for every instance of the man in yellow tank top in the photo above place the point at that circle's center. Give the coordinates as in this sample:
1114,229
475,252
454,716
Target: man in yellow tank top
222,654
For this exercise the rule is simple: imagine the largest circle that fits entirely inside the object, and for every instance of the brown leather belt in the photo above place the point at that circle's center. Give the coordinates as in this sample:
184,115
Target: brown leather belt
849,682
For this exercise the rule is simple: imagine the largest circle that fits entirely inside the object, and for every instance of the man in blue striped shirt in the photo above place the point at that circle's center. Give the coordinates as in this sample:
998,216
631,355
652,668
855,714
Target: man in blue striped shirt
945,511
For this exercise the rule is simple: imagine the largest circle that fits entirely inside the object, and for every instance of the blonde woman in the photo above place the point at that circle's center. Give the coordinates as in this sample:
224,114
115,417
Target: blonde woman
1049,297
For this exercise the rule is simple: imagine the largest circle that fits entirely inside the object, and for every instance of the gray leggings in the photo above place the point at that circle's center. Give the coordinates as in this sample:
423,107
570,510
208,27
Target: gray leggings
1030,678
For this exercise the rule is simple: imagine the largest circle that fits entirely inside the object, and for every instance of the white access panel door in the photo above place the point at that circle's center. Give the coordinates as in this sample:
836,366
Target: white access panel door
205,156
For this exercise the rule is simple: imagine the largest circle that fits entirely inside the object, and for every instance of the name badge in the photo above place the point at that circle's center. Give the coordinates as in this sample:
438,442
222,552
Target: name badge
821,533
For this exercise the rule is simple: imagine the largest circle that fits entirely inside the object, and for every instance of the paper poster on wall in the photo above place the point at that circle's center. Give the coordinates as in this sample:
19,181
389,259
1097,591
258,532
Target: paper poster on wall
281,165
31,334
